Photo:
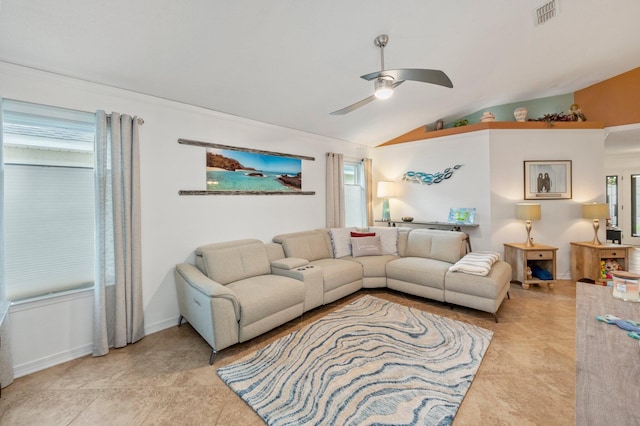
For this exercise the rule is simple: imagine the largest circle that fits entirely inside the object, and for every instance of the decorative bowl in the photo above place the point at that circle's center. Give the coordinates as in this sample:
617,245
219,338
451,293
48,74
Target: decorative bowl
407,219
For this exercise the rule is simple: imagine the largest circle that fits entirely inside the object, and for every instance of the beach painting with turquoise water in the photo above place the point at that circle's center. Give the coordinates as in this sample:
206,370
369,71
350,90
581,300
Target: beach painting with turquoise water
230,170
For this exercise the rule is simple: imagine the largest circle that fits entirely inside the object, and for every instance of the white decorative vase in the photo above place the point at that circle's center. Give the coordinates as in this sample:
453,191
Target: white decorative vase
520,114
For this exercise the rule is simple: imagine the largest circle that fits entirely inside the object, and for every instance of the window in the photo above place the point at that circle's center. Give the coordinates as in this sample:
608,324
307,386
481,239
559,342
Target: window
612,199
48,199
354,194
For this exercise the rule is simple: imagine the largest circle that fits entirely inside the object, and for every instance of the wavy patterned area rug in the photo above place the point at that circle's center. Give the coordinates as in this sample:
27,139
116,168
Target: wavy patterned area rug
370,362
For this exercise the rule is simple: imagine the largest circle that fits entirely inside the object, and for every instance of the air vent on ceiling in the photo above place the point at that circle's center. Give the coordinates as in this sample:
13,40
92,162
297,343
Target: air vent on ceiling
545,12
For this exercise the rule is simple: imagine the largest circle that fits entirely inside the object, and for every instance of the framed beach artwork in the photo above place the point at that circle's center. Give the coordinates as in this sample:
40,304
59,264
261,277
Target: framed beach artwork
243,171
229,170
547,180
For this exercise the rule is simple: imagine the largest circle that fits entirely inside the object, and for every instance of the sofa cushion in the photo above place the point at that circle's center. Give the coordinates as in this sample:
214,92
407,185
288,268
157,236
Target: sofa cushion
476,263
226,264
446,246
373,266
418,270
338,272
488,286
311,246
366,246
266,295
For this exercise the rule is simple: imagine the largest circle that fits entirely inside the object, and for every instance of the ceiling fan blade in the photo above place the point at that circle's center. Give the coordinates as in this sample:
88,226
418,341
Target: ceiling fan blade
362,103
413,74
355,106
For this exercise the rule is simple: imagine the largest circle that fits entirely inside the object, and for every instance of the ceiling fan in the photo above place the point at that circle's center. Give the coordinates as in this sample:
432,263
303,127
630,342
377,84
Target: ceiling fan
385,81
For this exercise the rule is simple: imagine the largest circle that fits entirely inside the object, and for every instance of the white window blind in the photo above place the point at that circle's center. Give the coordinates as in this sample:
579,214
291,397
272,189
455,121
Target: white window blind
354,194
48,199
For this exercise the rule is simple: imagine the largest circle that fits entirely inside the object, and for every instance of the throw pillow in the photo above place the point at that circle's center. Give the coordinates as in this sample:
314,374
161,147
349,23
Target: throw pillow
363,234
341,241
366,246
476,263
388,239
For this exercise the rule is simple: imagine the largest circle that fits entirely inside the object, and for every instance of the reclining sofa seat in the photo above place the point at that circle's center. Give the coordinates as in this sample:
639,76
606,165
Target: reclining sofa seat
340,277
230,295
425,262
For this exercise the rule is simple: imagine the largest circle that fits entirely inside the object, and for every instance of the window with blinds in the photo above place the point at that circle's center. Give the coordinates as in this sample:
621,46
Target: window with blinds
48,199
354,194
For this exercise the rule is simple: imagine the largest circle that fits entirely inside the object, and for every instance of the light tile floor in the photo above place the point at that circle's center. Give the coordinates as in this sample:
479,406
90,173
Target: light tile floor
526,378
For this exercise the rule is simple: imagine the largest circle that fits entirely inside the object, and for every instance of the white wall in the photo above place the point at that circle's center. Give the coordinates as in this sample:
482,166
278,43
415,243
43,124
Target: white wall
561,221
468,187
491,180
172,225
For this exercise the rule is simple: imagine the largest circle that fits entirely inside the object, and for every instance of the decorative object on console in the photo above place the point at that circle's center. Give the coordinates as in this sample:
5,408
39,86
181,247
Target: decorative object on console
595,211
528,212
429,178
462,215
520,114
386,190
407,218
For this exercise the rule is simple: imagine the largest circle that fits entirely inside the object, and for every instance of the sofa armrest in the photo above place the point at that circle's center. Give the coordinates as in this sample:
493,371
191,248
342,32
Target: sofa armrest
289,263
311,276
196,279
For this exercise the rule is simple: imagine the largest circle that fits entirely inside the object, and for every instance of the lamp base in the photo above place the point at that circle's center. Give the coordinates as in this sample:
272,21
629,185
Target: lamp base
529,242
596,226
386,216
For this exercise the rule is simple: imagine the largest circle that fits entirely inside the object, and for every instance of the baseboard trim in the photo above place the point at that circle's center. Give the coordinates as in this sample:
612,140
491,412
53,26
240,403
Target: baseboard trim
84,350
160,325
52,360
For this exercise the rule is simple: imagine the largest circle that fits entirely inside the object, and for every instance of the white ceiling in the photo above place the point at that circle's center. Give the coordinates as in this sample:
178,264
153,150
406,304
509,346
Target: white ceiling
292,62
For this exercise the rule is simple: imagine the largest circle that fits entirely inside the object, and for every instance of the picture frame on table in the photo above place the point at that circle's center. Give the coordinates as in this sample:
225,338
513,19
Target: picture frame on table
547,180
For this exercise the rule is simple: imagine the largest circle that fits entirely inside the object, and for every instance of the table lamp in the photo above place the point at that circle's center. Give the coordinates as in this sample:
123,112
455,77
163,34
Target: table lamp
595,211
528,212
385,191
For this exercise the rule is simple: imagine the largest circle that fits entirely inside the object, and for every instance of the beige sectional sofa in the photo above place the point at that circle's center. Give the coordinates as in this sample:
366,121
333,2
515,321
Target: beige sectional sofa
240,289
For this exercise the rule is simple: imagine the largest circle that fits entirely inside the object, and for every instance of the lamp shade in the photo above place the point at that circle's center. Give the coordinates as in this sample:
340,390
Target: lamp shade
595,210
528,211
386,189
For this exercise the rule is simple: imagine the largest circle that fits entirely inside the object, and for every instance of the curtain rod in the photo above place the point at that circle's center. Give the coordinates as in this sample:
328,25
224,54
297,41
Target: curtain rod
140,119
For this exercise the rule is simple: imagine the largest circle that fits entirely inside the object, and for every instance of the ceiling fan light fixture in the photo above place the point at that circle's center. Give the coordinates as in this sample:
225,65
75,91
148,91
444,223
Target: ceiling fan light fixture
383,88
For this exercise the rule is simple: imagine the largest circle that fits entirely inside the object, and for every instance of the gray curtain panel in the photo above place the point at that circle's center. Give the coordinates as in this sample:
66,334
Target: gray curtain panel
335,190
118,310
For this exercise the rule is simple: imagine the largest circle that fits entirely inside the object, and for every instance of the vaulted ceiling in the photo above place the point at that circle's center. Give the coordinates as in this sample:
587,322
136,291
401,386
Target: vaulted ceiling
292,62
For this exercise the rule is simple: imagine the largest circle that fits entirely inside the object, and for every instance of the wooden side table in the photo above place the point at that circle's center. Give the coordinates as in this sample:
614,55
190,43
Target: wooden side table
586,257
519,256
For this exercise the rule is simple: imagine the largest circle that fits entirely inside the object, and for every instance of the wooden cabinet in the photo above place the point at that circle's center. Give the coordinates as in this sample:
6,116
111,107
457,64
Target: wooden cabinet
519,256
586,258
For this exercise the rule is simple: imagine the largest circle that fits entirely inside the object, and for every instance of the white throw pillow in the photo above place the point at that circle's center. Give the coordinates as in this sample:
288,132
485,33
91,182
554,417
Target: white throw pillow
341,241
366,246
388,239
